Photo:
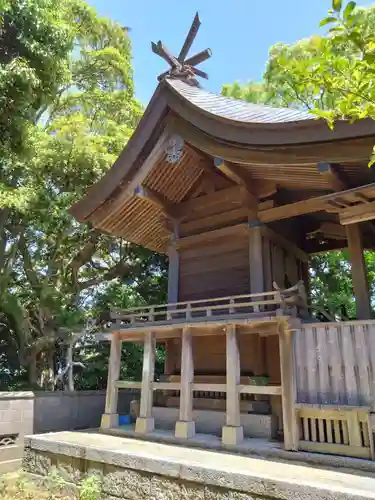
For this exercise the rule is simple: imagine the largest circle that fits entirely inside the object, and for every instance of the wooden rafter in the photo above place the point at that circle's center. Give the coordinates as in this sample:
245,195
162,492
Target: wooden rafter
357,213
332,176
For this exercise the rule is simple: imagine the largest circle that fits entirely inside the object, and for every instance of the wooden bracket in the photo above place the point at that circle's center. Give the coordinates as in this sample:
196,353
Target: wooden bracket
156,199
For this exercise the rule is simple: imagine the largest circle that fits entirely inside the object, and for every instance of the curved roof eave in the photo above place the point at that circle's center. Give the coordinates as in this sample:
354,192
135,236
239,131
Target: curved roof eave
148,128
254,124
179,97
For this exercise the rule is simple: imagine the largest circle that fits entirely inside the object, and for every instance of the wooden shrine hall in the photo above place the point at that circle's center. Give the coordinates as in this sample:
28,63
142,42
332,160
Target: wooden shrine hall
239,195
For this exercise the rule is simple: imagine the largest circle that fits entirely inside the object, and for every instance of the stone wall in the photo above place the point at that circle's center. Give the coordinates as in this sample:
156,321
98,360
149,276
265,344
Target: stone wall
124,483
23,413
132,469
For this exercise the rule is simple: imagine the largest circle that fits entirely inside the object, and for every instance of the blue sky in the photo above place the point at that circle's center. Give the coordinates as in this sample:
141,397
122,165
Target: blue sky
239,33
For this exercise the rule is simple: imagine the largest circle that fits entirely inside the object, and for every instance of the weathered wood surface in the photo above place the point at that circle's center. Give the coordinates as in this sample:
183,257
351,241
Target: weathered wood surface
343,430
335,363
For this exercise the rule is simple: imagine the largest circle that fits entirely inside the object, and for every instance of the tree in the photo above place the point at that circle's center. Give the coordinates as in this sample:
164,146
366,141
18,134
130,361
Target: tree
332,76
50,266
36,37
255,92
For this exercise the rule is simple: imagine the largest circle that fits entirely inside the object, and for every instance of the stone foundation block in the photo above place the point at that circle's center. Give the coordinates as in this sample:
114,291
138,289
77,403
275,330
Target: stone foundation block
144,425
232,435
125,483
185,430
69,468
39,462
212,493
109,420
163,488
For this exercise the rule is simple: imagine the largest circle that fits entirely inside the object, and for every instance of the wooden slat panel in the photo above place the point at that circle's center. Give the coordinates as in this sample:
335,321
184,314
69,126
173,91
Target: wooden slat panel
336,365
370,338
312,366
349,365
336,427
322,438
306,431
345,432
313,429
322,354
301,366
329,431
363,363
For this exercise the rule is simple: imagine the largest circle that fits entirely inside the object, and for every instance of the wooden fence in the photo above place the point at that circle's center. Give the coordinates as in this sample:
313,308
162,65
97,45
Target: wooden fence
335,363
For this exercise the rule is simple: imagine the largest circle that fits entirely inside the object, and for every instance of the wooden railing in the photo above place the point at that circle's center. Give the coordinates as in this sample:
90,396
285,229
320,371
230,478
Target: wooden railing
198,309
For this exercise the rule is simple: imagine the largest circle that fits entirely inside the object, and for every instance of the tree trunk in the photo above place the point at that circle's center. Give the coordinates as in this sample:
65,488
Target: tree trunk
32,369
69,362
51,369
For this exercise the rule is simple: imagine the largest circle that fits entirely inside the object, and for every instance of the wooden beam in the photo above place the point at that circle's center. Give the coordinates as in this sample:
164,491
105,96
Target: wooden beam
235,174
359,272
330,230
156,199
211,235
357,213
185,427
145,422
110,416
332,176
311,205
232,431
232,193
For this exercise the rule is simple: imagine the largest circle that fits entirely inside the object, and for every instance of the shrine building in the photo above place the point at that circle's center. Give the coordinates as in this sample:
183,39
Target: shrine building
239,196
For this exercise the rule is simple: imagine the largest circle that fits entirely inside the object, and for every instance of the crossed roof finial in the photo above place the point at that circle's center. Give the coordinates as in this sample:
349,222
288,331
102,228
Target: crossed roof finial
180,66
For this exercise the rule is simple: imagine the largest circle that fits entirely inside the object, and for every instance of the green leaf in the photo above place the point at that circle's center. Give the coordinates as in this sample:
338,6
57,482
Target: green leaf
327,20
336,5
349,9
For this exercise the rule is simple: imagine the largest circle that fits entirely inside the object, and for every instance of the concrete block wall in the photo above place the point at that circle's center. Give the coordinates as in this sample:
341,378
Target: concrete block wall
16,422
25,413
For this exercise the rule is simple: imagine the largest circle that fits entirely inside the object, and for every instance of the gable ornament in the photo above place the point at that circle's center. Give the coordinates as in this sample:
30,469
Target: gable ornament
173,148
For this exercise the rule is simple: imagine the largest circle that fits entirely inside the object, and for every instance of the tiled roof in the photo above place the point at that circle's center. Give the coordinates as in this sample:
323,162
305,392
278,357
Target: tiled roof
234,109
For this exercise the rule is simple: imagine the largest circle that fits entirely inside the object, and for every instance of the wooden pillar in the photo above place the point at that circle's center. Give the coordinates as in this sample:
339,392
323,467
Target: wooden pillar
232,431
359,273
173,286
174,266
185,427
145,421
110,417
256,257
288,388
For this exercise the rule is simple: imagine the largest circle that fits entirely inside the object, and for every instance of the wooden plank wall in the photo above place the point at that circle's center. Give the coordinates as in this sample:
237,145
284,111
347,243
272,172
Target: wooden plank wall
209,354
218,268
277,262
335,364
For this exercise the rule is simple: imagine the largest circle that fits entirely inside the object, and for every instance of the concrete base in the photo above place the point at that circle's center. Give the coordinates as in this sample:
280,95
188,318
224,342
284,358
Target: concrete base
185,430
211,422
139,469
232,435
109,420
144,425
